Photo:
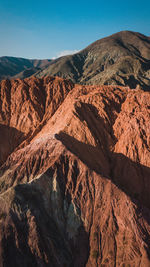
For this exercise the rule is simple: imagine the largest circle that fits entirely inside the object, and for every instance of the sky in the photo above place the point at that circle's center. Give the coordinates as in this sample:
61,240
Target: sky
49,29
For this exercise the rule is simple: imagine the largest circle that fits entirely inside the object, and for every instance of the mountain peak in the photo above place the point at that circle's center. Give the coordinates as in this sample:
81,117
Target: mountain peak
122,58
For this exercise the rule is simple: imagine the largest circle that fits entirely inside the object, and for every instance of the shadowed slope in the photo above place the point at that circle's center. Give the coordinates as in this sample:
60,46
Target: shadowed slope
10,138
13,67
76,191
25,105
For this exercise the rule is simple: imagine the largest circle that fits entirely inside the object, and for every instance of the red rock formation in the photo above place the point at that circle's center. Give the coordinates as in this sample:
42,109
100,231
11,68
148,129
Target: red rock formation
75,176
24,105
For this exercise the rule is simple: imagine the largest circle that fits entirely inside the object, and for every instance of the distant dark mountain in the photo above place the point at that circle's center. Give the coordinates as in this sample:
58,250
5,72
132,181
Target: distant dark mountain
122,59
13,67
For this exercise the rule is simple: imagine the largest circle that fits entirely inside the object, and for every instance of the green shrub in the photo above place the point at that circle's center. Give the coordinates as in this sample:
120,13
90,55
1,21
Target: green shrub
95,254
2,216
94,235
106,260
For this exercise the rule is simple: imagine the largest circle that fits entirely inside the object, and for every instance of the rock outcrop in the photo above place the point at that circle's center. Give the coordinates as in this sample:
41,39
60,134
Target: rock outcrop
75,174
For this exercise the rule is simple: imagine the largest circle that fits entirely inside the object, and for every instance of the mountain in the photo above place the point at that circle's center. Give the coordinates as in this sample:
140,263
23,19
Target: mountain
13,67
74,176
120,59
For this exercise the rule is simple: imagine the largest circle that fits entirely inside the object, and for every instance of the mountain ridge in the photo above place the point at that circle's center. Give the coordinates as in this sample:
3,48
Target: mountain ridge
74,175
122,58
17,67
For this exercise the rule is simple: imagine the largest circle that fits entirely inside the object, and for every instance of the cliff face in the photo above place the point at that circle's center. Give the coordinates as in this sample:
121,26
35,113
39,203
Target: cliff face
74,177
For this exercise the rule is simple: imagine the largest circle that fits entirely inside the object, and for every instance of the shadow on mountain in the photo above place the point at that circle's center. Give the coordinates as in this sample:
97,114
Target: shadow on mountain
10,138
88,154
131,177
132,82
33,221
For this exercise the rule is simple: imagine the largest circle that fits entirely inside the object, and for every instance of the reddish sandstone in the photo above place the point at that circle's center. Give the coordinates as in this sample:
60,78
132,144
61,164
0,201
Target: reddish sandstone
75,174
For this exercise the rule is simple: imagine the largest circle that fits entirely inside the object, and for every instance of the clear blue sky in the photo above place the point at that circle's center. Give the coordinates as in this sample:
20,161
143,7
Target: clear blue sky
44,29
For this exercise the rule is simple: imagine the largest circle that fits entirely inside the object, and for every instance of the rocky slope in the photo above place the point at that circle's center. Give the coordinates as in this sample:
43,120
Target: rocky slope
13,67
120,59
123,58
74,176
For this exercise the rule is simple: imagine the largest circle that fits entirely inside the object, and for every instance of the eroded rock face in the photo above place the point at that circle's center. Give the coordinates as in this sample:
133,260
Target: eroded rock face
24,104
75,188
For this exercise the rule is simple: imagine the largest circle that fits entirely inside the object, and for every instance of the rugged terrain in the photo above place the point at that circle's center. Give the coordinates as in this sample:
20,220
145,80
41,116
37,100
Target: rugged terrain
75,174
120,59
13,67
